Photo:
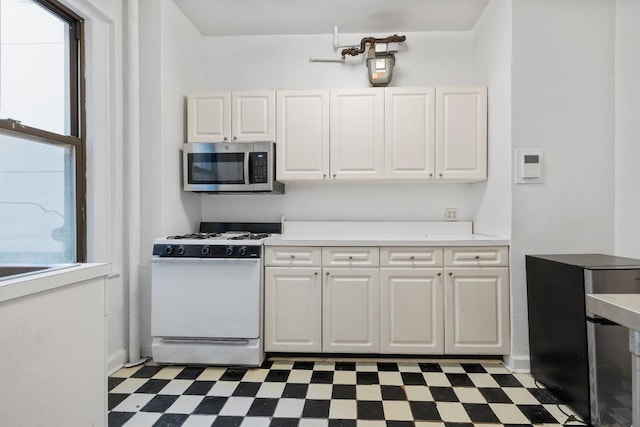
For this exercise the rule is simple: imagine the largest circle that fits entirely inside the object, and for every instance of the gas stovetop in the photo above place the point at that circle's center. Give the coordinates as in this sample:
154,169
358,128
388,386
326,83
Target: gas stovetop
227,237
217,240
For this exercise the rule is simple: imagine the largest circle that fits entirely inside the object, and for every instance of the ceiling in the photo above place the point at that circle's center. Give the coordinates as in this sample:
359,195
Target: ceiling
270,17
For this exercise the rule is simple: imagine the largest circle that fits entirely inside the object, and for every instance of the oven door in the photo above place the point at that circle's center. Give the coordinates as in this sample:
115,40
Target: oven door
216,167
206,298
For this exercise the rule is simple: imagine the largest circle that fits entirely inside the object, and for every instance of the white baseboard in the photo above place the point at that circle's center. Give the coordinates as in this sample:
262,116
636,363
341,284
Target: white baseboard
116,360
518,364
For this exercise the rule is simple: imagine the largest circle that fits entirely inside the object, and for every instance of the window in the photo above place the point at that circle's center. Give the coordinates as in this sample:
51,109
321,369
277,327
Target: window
42,144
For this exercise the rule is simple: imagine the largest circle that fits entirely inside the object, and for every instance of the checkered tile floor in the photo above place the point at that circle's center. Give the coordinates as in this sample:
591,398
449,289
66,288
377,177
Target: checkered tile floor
329,394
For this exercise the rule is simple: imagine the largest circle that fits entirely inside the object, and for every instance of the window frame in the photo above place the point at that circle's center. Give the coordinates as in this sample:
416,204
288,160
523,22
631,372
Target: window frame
77,137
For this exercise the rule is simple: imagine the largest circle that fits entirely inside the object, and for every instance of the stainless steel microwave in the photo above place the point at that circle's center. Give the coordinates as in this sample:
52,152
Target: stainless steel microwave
241,167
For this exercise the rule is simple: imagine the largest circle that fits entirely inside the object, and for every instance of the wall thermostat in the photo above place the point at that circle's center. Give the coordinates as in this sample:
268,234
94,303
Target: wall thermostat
529,166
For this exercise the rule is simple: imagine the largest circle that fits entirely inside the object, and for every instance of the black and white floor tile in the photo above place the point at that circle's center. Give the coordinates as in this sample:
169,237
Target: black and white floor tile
330,394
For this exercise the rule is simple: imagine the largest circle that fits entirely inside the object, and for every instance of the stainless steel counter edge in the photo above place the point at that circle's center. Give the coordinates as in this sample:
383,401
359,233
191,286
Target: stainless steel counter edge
623,309
50,279
435,240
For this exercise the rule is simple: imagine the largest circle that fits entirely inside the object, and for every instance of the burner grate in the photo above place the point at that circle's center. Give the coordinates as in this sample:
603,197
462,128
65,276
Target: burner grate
199,236
249,236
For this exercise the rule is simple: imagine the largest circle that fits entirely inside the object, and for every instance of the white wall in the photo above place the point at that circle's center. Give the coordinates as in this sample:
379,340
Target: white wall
492,68
627,151
105,203
563,103
170,66
282,62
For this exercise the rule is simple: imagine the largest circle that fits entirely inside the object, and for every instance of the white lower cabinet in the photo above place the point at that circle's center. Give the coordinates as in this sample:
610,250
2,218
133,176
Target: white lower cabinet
411,311
407,300
477,310
351,310
293,312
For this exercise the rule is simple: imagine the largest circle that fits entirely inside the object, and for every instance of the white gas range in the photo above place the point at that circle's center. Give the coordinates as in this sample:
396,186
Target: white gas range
207,293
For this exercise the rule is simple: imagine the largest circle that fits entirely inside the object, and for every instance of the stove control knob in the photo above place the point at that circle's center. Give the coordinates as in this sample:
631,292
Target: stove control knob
243,250
181,250
168,250
229,250
205,250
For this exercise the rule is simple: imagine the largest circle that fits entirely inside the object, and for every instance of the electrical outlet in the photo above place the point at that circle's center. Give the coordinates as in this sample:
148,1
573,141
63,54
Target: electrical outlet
451,214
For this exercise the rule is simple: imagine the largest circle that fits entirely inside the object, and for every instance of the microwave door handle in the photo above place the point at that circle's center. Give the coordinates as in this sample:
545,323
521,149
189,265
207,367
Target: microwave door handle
246,168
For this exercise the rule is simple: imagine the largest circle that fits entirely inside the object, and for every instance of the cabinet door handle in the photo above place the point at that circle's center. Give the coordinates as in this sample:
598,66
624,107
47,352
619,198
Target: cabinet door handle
324,176
439,274
450,274
440,175
430,175
477,257
334,176
225,139
292,256
235,138
327,273
315,273
350,258
412,257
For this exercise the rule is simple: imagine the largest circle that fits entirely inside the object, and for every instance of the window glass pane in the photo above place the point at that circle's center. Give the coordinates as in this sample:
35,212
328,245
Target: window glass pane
37,202
34,66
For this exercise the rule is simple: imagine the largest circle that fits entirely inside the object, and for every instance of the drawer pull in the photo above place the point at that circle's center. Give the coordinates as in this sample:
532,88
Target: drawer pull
315,273
477,257
450,274
412,257
439,274
350,257
292,256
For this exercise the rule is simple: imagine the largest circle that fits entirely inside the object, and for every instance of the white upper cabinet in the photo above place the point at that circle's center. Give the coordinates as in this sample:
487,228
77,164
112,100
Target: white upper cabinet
302,131
209,117
357,134
224,116
253,116
461,133
409,133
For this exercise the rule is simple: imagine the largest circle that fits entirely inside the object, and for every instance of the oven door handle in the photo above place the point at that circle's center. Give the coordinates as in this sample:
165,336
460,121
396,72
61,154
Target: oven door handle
170,260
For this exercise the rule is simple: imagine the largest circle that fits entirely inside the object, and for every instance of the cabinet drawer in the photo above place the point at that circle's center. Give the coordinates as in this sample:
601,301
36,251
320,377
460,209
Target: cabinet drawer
411,257
477,256
350,257
289,256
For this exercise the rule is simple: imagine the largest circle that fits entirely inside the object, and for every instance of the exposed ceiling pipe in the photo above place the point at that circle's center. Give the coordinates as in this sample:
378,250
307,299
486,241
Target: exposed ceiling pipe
336,46
353,51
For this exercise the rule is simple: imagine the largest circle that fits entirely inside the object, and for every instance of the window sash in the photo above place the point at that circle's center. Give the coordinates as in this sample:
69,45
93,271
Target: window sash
77,137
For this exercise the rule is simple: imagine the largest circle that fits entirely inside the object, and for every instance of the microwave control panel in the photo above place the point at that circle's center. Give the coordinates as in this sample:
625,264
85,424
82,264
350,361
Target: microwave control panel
258,168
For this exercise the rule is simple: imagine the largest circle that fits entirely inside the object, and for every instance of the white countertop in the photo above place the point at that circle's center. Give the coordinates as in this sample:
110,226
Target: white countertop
391,239
381,233
623,309
28,284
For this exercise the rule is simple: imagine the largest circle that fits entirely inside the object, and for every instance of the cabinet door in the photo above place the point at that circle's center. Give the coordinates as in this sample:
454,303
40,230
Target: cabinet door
303,135
411,311
477,311
351,310
409,133
292,309
461,134
253,116
209,117
357,134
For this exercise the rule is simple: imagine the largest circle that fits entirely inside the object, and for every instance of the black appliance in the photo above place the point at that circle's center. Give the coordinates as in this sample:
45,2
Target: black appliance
585,362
